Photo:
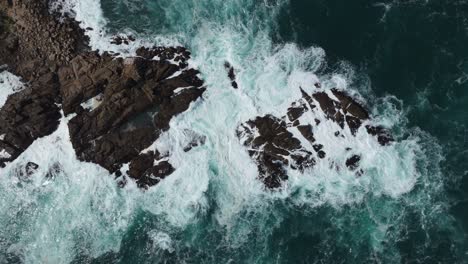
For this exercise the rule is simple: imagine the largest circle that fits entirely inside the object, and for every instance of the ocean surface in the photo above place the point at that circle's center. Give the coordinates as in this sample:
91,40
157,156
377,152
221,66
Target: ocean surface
406,59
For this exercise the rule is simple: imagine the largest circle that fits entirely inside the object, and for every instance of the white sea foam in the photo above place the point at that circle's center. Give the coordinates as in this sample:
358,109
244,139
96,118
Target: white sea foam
161,240
269,78
92,103
9,84
81,205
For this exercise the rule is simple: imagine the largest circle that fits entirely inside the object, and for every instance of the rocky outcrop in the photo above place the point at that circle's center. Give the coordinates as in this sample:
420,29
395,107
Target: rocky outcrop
32,45
149,168
28,115
34,38
119,106
279,144
137,98
273,147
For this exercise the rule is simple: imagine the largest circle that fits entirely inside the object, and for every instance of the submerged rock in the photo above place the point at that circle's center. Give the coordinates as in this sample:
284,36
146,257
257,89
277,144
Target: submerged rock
24,172
231,74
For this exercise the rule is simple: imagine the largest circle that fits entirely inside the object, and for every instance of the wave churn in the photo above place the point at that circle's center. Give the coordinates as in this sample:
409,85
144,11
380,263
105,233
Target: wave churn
213,208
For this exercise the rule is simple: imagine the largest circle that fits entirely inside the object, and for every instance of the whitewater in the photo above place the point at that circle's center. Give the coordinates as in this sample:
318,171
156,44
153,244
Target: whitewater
213,208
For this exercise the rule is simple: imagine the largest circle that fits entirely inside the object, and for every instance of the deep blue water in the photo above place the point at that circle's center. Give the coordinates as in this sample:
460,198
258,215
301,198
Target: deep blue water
417,51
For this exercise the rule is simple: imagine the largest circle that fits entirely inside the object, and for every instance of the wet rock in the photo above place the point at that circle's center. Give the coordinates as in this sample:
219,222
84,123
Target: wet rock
231,74
149,169
119,40
321,154
120,106
24,172
26,46
195,141
31,168
277,145
383,136
26,116
353,162
345,109
115,132
306,131
296,111
270,143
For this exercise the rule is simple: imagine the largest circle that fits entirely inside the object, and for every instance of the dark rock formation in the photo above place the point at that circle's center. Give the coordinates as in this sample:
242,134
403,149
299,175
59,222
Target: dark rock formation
277,144
28,115
137,99
120,106
150,168
119,40
381,133
32,45
231,74
273,149
195,141
353,162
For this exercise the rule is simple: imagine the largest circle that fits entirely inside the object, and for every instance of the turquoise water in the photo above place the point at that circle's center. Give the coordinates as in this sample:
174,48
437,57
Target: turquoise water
405,59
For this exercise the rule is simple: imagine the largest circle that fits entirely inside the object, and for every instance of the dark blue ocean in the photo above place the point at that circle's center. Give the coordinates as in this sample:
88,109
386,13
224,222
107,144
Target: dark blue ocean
406,59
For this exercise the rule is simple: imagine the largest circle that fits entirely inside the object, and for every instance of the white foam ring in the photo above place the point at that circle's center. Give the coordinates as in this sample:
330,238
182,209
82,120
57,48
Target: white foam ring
82,202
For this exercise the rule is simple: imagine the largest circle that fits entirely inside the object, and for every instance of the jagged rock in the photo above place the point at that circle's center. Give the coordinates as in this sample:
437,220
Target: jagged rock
231,74
23,172
120,105
138,101
353,162
195,141
381,133
26,116
277,145
119,40
345,109
271,148
26,46
148,169
179,55
296,111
